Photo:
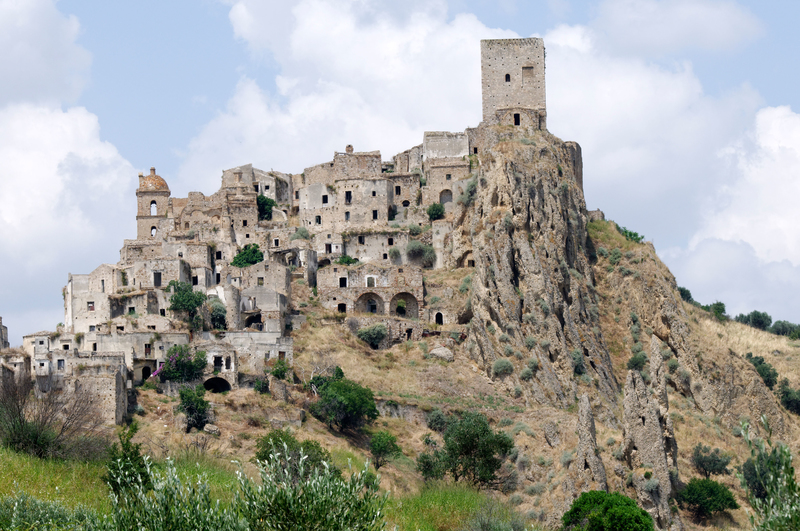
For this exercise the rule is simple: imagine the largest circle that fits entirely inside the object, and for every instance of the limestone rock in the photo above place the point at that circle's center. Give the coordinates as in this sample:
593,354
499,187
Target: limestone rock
212,429
551,433
587,458
646,428
179,420
443,353
278,389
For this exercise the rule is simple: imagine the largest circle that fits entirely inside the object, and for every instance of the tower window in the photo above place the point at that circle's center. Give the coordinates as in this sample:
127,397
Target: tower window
348,196
324,199
508,78
347,216
153,208
318,220
374,214
397,190
244,223
475,151
516,118
153,232
373,193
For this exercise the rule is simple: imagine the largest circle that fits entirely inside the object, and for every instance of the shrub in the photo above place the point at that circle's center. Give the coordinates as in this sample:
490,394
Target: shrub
435,211
181,366
184,298
248,256
261,386
526,374
508,351
394,253
194,406
437,420
637,362
530,342
417,250
755,472
672,365
685,294
383,446
24,513
545,307
578,366
756,319
599,510
704,497
535,489
346,260
764,369
414,230
615,256
602,251
630,235
472,451
280,369
790,398
300,234
345,404
265,205
468,196
504,338
567,457
126,464
373,335
283,445
466,284
533,364
502,367
717,309
544,343
218,314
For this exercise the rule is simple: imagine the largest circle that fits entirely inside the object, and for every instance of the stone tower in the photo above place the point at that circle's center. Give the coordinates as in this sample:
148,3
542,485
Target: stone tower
512,81
152,201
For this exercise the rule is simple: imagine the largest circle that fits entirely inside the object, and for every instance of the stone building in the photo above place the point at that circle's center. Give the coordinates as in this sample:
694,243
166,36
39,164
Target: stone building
3,335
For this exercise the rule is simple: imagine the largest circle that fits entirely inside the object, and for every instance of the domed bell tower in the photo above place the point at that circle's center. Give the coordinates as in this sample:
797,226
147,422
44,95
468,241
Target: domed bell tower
152,200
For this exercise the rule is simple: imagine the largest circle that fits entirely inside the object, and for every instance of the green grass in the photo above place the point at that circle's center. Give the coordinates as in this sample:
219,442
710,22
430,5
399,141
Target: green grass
438,507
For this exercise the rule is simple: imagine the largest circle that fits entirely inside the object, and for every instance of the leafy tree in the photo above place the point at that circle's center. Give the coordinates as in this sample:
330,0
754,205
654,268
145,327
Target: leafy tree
218,314
686,295
790,398
437,420
345,404
417,250
181,366
784,328
718,309
282,443
630,235
248,256
756,319
704,497
764,369
472,451
184,298
637,362
126,464
606,511
265,206
754,472
435,211
373,335
383,446
346,260
708,462
194,406
280,370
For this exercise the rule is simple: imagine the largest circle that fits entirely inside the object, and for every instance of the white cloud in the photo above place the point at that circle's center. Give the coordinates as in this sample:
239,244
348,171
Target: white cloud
40,60
638,27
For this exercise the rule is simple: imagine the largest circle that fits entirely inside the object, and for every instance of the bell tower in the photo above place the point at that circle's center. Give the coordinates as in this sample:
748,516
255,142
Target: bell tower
152,201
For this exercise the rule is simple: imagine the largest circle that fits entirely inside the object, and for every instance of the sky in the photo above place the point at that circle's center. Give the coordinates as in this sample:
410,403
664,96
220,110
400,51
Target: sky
686,111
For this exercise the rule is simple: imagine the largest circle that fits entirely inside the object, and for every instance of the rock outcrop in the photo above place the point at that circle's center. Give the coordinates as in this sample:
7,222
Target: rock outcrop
587,460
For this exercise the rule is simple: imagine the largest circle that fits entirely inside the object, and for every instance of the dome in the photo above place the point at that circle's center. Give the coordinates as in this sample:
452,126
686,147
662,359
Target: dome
152,182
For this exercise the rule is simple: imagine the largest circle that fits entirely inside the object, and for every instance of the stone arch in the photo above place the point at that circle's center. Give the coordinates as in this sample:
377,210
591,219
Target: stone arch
409,307
153,208
370,303
508,78
153,232
446,196
439,318
217,385
146,372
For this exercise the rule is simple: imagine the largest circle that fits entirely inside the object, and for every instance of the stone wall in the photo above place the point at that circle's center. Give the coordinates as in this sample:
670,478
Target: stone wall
512,75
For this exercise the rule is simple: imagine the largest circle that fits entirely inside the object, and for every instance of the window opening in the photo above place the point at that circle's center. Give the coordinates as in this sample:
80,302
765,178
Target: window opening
347,216
60,365
343,282
194,281
219,255
374,214
244,223
153,208
228,363
102,286
447,177
508,78
370,282
439,318
157,279
341,307
397,190
374,193
324,199
153,232
90,306
348,196
318,220
516,118
391,241
260,281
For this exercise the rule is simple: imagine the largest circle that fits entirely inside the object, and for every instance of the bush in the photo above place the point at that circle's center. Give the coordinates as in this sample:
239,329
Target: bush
435,211
126,464
265,206
300,234
345,404
526,374
756,319
373,335
383,446
504,338
502,367
784,328
764,369
615,256
248,256
704,497
414,230
717,309
601,511
23,513
288,449
184,298
630,235
530,342
755,472
181,366
280,369
437,420
468,196
346,260
472,451
651,485
261,386
417,250
194,406
790,398
218,314
637,362
394,253
578,366
672,365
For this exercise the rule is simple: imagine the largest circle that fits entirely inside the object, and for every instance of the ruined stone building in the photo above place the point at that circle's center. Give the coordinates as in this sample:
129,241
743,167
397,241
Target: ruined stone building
118,325
3,335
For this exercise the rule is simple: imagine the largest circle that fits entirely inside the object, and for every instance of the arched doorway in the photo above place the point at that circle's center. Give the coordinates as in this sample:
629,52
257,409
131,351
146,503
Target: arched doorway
153,208
446,196
146,372
370,303
439,318
217,385
254,321
404,305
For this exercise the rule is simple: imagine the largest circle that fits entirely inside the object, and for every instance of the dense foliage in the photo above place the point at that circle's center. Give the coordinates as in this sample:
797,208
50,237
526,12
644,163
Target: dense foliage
194,406
300,234
704,497
686,295
288,449
218,314
181,365
280,369
709,462
248,256
416,250
472,451
630,235
790,398
373,335
603,511
265,206
435,211
754,473
126,464
345,404
346,260
764,369
637,362
756,319
184,298
383,446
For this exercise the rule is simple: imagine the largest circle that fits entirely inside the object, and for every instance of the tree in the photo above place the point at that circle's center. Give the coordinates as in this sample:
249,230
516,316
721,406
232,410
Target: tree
707,462
218,314
704,497
717,309
181,366
686,295
373,335
417,250
790,398
754,472
248,256
280,370
606,511
383,446
435,211
283,444
345,404
756,319
126,464
784,328
265,205
194,406
184,298
764,369
346,260
472,451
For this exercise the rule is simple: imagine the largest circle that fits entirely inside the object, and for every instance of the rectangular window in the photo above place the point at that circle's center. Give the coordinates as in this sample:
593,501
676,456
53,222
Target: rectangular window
219,255
102,286
94,347
297,195
255,187
92,328
318,220
397,190
276,242
90,306
163,312
347,216
447,177
324,199
343,282
370,282
527,74
65,346
361,240
348,196
399,269
60,365
244,223
475,151
194,281
217,278
516,119
157,279
374,214
260,281
328,248
246,235
151,327
147,349
391,241
131,309
266,187
374,193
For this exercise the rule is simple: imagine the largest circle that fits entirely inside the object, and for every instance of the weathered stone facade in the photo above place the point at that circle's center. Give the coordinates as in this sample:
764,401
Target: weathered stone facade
3,335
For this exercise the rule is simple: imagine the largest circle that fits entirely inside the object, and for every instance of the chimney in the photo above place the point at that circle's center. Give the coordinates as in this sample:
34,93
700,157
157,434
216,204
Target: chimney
349,148
152,170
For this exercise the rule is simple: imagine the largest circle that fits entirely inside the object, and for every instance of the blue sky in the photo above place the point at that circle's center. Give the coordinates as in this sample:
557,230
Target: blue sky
685,111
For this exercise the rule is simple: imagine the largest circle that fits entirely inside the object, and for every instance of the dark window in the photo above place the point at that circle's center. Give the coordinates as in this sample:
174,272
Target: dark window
228,363
194,281
470,263
260,281
385,256
397,190
219,255
276,242
341,308
399,269
297,195
475,151
439,318
266,187
447,177
103,286
328,248
374,214
255,187
348,196
94,347
244,223
163,312
246,235
516,118
406,203
371,281
324,199
508,78
92,328
374,193
218,278
147,349
281,355
120,329
318,220
391,241
343,282
157,279
65,346
131,309
60,365
347,216
90,306
361,240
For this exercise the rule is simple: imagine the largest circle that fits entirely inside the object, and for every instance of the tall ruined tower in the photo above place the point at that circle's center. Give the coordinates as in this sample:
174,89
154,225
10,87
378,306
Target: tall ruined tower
512,81
152,201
